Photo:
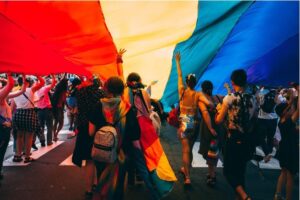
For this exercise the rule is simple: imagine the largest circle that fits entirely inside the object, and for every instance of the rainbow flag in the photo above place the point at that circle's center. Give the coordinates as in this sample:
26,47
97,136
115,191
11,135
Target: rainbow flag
214,38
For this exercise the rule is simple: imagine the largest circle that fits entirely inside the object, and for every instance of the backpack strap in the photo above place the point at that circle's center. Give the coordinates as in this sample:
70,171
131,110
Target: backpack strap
117,121
218,98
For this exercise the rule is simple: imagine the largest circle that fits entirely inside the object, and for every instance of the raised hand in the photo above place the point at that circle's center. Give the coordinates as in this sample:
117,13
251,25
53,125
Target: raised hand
227,86
121,52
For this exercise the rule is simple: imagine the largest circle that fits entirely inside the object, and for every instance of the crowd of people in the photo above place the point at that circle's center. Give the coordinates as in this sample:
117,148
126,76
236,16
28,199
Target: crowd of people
117,126
232,126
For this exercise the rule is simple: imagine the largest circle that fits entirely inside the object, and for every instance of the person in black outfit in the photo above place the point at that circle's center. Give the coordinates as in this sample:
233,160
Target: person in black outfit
288,152
87,95
239,108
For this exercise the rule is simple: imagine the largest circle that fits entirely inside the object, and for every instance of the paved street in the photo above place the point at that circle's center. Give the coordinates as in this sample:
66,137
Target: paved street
52,176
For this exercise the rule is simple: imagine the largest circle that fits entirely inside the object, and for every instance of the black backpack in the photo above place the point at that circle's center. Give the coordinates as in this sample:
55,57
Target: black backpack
269,102
248,123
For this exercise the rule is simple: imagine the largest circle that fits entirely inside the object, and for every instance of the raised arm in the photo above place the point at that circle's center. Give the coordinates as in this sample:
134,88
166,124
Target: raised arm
179,72
7,88
53,81
19,92
120,63
39,85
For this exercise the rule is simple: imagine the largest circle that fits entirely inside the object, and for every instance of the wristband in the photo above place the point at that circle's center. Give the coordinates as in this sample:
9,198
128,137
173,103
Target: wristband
119,59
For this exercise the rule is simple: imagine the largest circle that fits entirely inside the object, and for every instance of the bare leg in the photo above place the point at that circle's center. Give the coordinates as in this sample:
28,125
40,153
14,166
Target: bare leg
55,128
71,120
60,125
241,192
212,171
281,181
20,143
289,185
89,175
186,158
28,143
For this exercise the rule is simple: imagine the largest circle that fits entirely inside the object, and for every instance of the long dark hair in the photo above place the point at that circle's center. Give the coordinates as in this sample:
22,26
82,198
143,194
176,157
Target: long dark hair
61,87
191,81
134,81
207,87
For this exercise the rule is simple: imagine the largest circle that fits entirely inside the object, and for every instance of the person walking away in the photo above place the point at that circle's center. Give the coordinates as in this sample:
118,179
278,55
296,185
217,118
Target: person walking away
6,114
147,162
209,133
288,153
25,119
88,96
58,103
44,112
114,110
267,121
189,122
238,108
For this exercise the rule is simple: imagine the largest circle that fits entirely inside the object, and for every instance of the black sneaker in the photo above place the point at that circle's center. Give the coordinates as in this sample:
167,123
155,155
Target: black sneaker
43,143
17,159
28,160
34,147
88,195
49,143
211,182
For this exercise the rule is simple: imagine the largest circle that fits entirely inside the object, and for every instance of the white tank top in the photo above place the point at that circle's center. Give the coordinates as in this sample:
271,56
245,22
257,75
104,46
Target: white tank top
22,102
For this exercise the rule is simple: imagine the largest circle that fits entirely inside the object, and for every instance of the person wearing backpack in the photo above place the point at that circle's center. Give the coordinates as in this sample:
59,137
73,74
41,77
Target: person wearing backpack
237,108
267,121
116,132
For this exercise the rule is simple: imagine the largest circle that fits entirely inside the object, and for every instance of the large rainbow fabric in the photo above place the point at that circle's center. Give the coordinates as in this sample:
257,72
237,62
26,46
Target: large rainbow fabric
213,38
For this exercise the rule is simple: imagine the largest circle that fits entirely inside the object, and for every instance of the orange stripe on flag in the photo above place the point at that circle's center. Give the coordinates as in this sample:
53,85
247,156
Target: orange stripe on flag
152,155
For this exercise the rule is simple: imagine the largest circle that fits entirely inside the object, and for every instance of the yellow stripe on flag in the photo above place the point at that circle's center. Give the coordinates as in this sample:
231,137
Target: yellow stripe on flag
150,31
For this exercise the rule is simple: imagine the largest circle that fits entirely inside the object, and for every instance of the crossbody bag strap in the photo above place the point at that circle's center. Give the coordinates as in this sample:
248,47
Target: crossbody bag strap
28,99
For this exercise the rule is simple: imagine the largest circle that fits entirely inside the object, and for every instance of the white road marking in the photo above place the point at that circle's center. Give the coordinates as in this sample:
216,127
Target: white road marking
68,162
199,161
35,154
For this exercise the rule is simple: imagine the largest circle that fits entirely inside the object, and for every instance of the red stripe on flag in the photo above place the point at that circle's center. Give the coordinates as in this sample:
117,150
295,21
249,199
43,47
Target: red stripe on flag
54,37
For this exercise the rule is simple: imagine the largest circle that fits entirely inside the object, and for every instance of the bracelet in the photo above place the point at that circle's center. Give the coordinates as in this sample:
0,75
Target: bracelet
119,59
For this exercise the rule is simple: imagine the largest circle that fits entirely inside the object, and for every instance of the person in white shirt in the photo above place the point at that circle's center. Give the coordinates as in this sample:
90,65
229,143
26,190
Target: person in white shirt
44,113
25,119
267,121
